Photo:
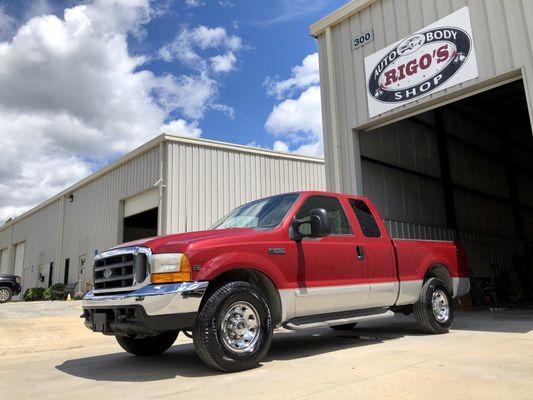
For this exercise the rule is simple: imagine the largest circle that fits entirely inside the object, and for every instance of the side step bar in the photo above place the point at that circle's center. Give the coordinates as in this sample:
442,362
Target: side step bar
338,318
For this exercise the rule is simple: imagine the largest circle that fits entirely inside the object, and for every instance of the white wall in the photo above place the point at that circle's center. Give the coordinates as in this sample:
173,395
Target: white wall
205,182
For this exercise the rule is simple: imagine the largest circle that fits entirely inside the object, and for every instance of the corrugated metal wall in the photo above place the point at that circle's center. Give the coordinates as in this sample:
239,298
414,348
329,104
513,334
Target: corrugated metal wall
91,221
206,182
39,231
503,33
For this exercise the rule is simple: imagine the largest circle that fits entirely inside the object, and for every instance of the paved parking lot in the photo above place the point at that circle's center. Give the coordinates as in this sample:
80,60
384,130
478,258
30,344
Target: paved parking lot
45,352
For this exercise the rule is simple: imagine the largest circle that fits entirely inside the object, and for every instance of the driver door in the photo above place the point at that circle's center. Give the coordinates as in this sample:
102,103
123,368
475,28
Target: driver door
329,275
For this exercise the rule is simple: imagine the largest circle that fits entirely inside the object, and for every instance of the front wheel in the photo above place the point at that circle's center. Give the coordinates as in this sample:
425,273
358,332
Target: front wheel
148,346
434,309
234,327
5,294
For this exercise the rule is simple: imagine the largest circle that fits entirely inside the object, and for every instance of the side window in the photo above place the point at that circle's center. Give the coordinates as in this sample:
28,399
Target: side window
366,219
338,220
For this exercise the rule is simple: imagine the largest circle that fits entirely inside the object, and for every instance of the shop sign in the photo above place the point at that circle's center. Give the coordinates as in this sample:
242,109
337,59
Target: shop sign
436,57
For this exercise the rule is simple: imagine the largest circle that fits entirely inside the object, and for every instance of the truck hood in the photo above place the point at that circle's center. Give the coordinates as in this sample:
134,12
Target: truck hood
179,242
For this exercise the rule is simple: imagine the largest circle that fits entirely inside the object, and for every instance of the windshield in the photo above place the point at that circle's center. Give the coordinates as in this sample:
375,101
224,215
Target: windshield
264,213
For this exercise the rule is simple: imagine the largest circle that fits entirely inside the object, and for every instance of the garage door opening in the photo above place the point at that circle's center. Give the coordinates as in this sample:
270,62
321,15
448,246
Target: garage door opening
140,225
462,172
140,216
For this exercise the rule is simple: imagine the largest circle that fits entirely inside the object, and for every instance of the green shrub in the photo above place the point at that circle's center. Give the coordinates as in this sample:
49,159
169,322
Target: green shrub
54,292
33,294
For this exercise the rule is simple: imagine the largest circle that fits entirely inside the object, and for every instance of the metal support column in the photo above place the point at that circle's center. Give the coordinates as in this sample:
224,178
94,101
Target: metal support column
444,161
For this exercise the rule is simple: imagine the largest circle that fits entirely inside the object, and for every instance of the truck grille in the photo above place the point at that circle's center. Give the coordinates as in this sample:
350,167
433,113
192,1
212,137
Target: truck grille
120,270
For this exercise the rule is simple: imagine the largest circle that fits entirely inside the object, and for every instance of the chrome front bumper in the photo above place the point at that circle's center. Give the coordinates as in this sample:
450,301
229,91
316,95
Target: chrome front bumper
156,300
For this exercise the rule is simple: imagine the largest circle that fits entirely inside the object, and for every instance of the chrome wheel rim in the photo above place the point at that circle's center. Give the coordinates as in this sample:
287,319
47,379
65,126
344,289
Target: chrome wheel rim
4,294
240,327
440,306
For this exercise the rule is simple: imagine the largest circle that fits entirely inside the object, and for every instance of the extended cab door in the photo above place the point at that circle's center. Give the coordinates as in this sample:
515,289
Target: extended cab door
329,275
376,251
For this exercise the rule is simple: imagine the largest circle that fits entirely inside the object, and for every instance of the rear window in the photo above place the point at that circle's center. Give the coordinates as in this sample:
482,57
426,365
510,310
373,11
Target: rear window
366,219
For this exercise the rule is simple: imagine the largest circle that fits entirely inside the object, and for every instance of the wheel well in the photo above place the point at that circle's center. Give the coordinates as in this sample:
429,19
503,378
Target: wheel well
262,281
441,272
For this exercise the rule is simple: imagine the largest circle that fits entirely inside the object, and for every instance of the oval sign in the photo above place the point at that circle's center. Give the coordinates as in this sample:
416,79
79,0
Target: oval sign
419,64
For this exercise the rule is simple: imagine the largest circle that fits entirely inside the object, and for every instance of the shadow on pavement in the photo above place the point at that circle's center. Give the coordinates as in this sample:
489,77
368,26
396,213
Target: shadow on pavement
181,360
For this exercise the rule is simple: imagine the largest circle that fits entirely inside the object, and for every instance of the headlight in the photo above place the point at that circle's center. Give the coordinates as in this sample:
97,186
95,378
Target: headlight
18,279
170,268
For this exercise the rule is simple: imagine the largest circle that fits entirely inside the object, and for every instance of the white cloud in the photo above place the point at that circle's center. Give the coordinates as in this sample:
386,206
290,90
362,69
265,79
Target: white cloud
181,127
226,3
72,98
191,95
188,43
223,63
280,145
298,122
303,76
194,3
289,10
7,24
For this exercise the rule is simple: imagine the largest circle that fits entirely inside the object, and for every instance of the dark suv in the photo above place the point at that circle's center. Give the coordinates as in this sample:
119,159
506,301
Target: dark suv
9,286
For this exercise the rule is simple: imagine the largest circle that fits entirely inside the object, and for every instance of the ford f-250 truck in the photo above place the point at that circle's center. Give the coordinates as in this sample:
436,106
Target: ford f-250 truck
297,260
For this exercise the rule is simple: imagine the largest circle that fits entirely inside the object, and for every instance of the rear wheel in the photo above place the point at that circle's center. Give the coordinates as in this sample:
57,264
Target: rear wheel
5,294
148,346
344,327
434,309
234,327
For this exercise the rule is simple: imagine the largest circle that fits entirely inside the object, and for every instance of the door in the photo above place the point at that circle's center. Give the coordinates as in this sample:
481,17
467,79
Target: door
82,279
3,261
19,262
42,275
50,273
376,252
330,278
66,273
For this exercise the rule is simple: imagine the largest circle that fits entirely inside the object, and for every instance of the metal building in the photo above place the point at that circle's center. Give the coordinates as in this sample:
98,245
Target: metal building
170,184
427,110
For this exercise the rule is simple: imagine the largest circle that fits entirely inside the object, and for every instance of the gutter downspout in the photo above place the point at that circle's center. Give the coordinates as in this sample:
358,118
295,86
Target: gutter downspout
161,187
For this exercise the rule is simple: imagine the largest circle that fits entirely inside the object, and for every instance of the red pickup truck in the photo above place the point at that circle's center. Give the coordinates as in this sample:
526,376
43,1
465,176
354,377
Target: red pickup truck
296,260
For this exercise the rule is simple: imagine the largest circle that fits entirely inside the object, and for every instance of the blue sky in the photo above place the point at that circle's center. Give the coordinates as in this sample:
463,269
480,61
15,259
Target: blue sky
276,37
87,81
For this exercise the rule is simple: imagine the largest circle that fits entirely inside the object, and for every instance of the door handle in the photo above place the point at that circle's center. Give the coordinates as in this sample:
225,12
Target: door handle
360,250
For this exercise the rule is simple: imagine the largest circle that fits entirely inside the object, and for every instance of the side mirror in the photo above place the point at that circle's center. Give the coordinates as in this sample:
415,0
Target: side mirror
320,225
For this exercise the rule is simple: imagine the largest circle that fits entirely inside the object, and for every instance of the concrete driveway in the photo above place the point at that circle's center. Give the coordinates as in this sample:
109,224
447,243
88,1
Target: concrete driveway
46,353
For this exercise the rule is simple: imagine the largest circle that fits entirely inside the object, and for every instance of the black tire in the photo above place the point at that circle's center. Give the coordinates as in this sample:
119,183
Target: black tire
213,345
344,327
427,319
5,294
148,346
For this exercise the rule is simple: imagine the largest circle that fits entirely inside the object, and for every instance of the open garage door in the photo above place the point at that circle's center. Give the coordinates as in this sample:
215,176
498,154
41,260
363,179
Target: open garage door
462,172
141,216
